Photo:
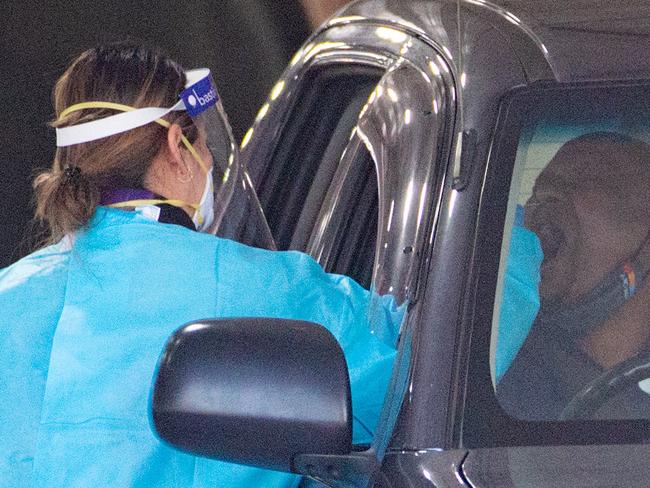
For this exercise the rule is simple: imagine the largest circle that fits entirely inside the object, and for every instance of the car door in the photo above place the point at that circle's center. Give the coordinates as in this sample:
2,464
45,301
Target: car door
348,157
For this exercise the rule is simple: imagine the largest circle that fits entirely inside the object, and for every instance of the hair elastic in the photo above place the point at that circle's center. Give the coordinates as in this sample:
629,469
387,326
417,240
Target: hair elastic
72,174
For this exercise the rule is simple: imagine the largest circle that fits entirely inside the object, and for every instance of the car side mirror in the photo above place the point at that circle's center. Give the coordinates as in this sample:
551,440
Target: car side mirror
256,391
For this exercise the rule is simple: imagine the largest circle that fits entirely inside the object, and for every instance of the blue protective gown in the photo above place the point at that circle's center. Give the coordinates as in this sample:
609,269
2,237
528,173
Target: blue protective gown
83,325
520,302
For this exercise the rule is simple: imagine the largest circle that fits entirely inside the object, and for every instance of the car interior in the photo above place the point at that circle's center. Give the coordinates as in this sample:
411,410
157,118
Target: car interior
576,165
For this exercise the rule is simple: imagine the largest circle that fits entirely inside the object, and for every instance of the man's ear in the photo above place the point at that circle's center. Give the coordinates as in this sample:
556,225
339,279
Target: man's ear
177,164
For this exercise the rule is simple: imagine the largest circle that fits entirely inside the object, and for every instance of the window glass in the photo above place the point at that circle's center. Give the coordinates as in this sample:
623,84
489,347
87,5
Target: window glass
571,322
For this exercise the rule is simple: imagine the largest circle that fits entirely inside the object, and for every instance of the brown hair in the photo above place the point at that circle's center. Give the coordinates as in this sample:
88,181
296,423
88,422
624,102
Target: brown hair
68,193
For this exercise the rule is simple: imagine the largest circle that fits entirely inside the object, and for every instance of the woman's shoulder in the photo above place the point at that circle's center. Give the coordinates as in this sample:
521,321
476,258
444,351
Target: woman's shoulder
43,265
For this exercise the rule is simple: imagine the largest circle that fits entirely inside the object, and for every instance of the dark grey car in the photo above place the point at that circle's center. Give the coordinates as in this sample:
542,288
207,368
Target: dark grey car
397,148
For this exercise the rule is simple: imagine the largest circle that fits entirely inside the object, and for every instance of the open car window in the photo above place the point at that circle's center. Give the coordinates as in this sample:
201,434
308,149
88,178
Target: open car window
292,185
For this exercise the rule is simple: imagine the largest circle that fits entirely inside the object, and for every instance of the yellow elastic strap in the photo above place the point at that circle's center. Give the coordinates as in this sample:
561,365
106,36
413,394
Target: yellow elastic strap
126,108
84,105
173,203
140,203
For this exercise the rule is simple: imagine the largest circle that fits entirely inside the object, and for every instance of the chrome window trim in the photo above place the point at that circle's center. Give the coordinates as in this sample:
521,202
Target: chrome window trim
391,48
413,55
403,126
349,43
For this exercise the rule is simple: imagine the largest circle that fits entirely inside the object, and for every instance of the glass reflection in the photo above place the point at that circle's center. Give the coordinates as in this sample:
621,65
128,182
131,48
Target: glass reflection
391,35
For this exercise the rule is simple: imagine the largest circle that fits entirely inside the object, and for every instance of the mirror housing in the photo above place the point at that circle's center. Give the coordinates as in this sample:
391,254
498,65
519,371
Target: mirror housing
254,391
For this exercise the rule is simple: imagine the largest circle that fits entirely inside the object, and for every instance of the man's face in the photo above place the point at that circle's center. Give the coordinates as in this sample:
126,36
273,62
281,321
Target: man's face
584,209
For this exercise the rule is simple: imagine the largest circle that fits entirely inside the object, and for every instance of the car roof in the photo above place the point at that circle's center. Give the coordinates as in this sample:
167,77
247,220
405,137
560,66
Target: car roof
577,40
621,16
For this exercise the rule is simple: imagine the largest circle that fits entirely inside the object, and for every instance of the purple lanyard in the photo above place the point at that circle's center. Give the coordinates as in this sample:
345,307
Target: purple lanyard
118,195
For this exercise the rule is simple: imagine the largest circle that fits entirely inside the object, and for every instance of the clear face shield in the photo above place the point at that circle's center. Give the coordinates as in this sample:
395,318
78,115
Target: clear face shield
203,105
226,185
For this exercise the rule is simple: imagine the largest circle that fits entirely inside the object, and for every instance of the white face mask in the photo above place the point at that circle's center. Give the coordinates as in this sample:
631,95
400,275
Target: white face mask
204,215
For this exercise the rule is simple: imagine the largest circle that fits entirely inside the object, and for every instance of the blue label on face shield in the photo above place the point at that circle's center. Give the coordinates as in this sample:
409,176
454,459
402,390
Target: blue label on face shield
199,97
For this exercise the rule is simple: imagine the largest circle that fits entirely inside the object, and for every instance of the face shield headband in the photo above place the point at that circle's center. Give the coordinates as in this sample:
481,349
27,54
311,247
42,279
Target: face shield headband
199,100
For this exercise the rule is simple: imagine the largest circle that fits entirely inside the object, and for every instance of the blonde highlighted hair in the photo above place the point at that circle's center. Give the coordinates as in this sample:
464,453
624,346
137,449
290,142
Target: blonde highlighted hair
68,193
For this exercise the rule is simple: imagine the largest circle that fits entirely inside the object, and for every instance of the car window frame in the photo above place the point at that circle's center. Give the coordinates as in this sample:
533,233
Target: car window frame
378,44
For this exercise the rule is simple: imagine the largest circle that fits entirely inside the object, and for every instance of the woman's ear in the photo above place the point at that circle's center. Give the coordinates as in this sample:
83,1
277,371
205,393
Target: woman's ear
176,161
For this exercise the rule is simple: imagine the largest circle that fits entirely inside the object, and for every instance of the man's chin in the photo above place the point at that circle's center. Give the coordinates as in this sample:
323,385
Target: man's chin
556,280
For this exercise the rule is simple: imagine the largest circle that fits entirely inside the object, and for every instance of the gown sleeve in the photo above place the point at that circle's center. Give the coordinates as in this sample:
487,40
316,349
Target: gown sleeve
520,302
259,283
31,298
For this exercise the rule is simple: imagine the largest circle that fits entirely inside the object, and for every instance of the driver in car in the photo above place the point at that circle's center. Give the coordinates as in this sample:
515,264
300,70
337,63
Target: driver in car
590,209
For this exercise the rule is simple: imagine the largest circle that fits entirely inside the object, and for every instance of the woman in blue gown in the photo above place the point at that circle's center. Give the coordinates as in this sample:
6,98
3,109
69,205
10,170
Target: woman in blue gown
85,318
